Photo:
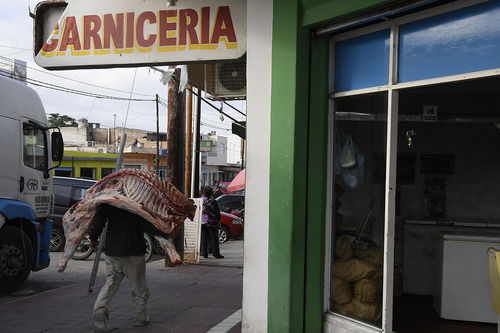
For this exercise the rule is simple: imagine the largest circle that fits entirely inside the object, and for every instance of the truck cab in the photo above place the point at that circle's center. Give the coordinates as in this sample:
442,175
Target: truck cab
27,150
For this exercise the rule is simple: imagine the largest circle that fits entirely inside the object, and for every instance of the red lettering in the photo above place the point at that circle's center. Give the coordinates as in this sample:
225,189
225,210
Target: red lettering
185,27
223,26
166,26
130,29
70,35
113,30
52,44
91,28
205,25
141,20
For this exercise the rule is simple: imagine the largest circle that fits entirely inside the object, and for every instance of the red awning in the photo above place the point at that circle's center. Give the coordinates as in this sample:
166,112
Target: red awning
238,182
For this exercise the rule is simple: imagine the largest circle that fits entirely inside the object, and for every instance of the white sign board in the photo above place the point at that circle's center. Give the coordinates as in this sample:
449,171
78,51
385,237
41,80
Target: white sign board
114,33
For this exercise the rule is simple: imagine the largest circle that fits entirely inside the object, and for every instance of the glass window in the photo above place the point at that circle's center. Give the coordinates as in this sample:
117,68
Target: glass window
77,194
358,219
362,62
161,172
107,171
132,166
462,41
63,172
34,148
87,173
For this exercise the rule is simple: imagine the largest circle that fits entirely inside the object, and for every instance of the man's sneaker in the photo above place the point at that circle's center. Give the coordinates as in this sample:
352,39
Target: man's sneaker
100,322
139,323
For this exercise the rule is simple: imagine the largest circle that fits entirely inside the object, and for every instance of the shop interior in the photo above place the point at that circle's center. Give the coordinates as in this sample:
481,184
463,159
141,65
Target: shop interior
447,211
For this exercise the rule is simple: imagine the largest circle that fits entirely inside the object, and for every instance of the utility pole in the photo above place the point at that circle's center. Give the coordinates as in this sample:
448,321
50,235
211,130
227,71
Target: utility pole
157,161
173,93
114,133
196,181
189,142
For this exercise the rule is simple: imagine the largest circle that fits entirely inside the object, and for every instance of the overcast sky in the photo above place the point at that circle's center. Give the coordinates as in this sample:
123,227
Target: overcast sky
16,40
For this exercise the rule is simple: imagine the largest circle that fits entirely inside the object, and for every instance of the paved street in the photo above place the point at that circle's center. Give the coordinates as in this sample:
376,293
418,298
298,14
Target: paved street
187,298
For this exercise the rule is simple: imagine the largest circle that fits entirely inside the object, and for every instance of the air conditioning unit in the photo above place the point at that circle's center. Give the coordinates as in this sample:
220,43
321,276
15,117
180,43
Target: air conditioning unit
226,80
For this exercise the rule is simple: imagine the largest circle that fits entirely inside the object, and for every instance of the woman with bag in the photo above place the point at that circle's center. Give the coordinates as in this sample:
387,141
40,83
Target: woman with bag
210,224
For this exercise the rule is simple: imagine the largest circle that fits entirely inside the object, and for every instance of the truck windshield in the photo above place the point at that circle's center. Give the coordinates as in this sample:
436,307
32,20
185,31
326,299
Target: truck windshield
34,148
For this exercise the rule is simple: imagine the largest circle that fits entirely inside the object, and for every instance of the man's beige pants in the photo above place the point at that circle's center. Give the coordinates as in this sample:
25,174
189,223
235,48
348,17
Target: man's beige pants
134,268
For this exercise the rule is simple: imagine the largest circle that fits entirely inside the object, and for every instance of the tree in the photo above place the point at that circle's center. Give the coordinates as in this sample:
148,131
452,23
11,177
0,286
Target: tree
57,120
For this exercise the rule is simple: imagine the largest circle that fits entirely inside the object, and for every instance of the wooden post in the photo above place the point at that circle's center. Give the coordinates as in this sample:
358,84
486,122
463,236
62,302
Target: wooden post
196,178
157,161
189,142
173,92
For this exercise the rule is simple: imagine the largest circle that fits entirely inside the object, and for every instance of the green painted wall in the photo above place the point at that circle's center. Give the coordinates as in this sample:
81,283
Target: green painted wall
317,11
287,171
298,162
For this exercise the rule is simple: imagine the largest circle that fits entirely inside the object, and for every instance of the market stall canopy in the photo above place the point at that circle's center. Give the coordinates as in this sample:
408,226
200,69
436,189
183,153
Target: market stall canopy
238,183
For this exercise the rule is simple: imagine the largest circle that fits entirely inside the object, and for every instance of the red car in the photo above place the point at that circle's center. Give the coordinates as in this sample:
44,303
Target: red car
231,226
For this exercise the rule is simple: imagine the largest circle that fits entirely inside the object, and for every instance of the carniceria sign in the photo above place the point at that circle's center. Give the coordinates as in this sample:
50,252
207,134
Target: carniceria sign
116,33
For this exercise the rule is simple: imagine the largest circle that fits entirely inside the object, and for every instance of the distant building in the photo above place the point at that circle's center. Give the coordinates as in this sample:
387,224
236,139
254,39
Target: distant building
92,138
88,165
214,156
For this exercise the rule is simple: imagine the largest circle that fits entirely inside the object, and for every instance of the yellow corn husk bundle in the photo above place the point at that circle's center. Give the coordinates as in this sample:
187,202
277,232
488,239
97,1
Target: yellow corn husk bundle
372,255
342,291
343,248
359,310
353,270
366,290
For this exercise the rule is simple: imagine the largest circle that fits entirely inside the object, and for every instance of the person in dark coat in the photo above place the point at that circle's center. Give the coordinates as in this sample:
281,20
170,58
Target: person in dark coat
125,249
210,220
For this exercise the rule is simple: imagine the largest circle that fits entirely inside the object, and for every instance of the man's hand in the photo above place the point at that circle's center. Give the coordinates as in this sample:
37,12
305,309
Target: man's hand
93,245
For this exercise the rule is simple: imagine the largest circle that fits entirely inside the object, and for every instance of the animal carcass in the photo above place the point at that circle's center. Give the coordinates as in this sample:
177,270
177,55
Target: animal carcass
141,193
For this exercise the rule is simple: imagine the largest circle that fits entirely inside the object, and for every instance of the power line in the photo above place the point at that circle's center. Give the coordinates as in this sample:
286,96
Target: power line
211,122
74,91
14,47
69,79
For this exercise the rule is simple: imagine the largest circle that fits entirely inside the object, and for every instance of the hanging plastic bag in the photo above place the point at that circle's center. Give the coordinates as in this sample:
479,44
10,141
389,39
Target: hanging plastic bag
348,155
353,177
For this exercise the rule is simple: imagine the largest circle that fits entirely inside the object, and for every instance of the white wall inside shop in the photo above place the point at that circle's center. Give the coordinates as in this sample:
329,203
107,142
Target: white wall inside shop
255,269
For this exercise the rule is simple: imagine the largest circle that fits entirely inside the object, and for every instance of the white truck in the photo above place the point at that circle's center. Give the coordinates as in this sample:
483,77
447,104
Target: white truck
27,149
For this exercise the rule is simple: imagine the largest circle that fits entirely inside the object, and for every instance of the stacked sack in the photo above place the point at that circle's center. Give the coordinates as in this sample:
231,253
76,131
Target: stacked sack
357,282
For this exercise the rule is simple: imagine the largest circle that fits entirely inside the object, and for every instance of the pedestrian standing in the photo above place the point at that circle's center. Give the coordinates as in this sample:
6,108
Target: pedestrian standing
125,249
210,220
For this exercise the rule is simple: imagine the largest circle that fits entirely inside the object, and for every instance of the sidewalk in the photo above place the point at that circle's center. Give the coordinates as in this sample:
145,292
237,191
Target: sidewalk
184,299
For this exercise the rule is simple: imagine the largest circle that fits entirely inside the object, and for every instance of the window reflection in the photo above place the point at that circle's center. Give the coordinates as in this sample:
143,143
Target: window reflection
358,221
34,148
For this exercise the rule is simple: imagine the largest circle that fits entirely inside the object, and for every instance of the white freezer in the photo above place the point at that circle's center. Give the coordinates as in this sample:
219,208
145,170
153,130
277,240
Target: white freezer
463,287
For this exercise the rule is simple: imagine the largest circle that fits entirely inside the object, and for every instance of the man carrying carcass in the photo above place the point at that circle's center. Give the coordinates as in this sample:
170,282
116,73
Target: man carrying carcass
125,249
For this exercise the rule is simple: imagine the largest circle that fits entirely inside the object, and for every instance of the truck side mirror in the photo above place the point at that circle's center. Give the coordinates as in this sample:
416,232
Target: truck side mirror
57,146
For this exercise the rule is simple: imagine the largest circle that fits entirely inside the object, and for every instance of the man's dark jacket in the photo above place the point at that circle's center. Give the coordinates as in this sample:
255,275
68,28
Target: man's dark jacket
125,235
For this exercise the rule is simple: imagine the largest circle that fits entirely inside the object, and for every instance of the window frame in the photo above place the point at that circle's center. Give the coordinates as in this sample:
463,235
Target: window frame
392,88
45,147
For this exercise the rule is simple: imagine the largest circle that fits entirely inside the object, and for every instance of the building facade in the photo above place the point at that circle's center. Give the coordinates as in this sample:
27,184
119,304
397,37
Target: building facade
411,85
88,165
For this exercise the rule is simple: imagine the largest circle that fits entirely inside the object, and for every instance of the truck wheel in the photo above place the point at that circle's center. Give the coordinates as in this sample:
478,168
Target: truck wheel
57,240
83,251
16,258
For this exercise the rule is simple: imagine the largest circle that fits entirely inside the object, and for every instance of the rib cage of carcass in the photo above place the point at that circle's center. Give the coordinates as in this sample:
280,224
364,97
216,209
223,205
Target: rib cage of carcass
141,193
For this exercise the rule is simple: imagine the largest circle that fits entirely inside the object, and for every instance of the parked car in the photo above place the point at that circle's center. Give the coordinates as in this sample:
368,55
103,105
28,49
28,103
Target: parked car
231,226
67,192
231,202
